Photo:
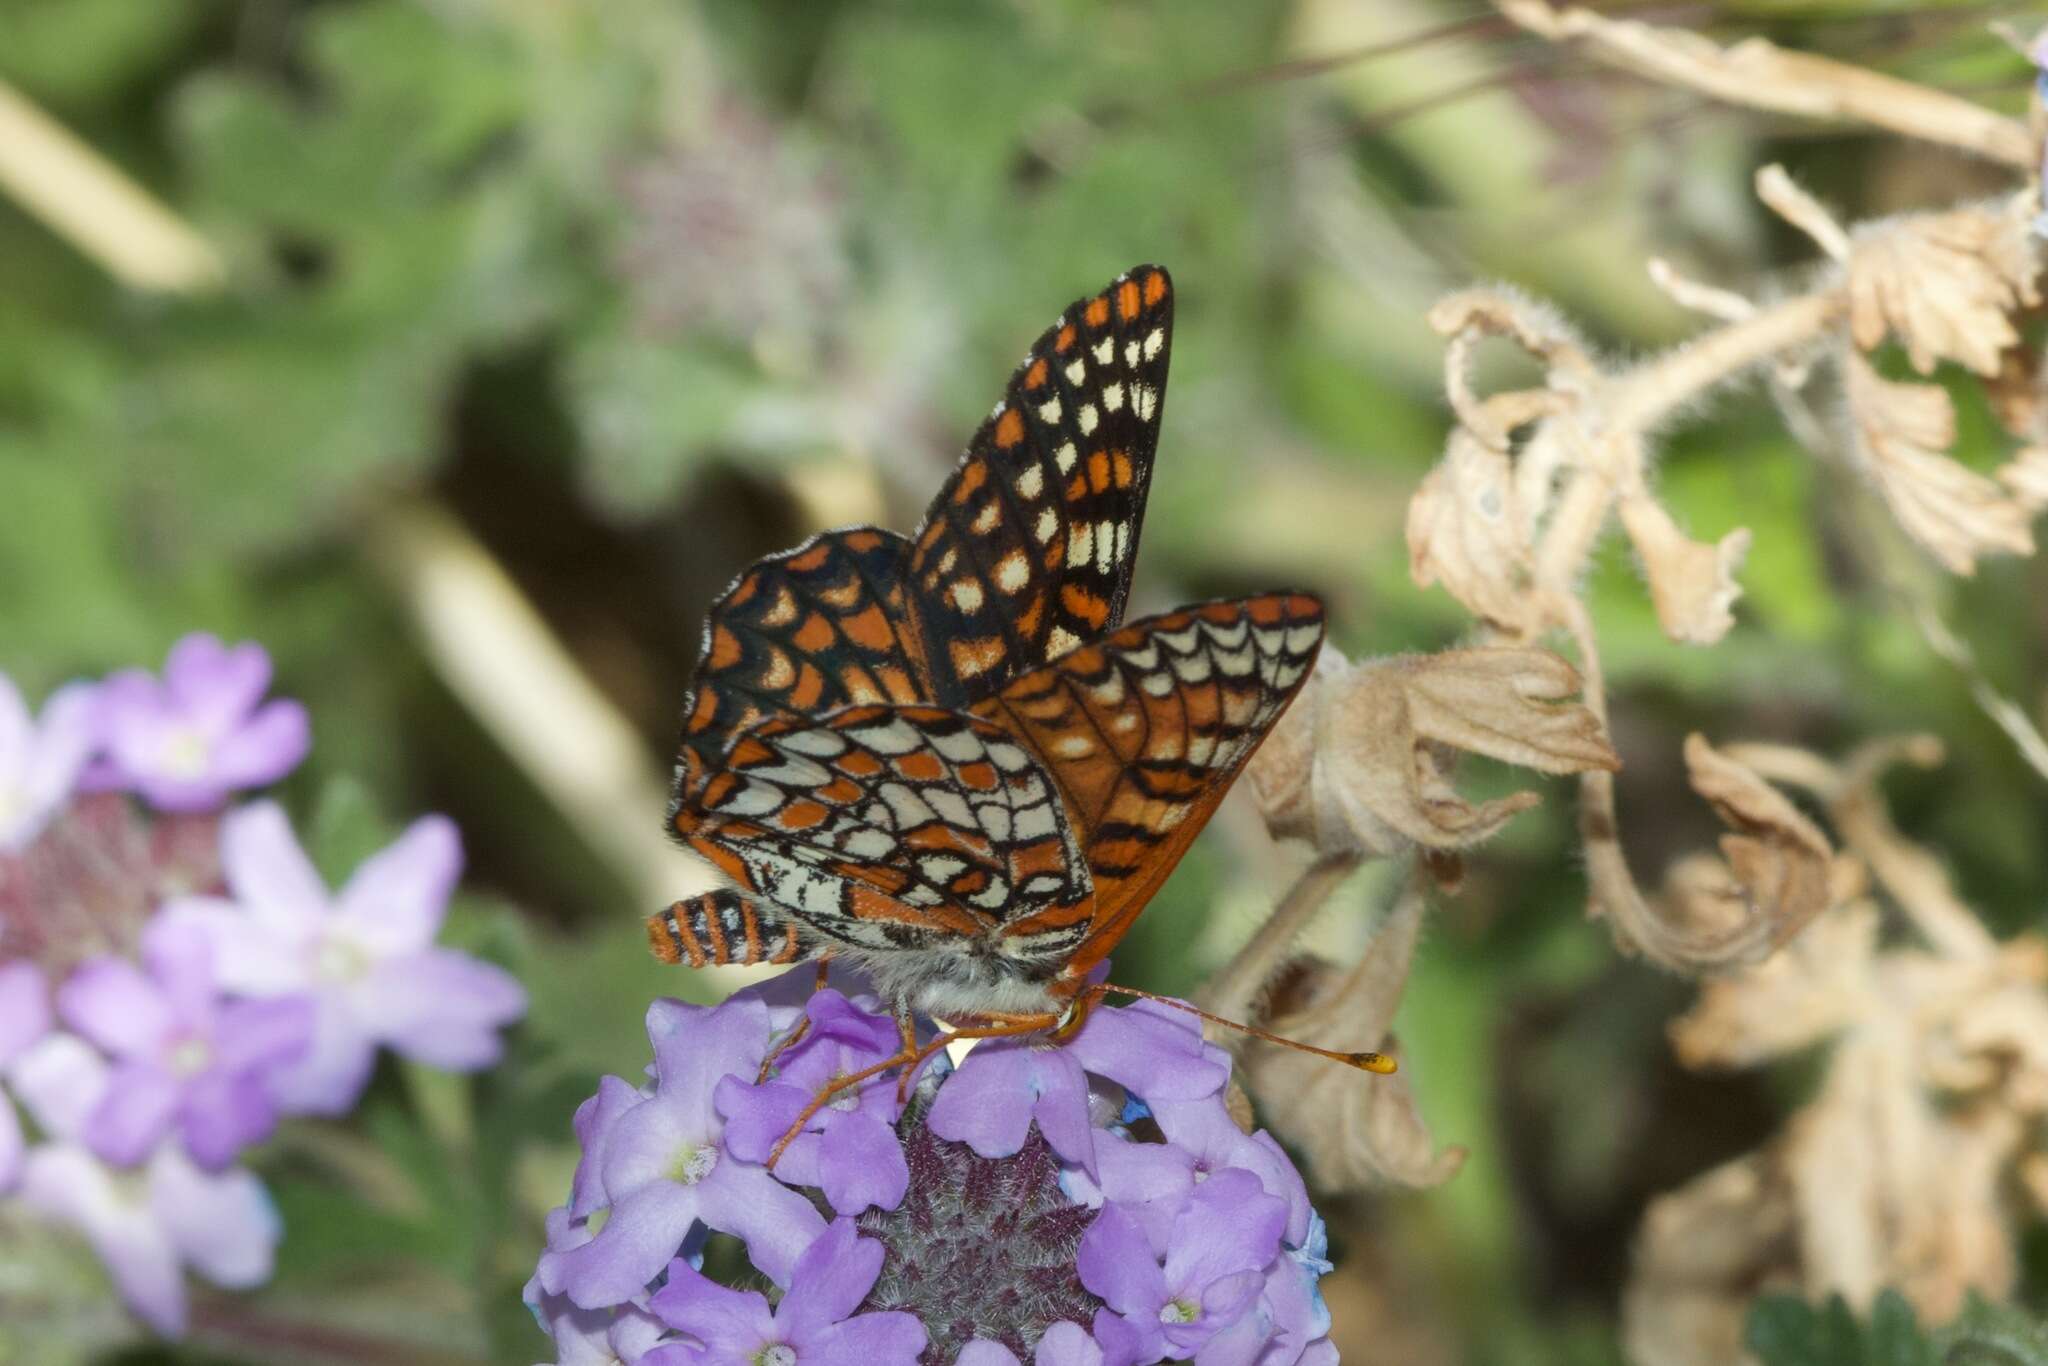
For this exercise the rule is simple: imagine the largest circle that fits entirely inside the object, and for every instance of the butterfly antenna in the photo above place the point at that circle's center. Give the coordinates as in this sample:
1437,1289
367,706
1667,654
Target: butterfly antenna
1364,1062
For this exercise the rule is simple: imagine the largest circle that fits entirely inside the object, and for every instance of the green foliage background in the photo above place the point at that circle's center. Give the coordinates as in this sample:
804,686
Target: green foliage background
602,279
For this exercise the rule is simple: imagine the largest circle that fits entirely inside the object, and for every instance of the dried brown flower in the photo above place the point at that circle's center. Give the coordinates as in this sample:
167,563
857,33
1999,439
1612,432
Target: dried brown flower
1900,1171
1946,284
1360,763
1901,432
1469,530
1355,1131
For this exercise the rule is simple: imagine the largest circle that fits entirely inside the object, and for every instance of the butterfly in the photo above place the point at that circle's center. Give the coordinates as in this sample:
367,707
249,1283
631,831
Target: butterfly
946,757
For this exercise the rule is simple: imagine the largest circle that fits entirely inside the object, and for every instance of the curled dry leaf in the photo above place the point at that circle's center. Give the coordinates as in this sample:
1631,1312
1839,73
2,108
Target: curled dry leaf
1946,284
1703,1253
1360,763
1356,1131
1773,875
1779,860
1469,529
1901,431
1692,583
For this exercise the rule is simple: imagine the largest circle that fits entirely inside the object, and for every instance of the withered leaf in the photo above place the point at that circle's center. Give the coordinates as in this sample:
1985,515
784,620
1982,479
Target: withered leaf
1359,764
1946,284
1355,1130
1468,528
1692,583
1901,432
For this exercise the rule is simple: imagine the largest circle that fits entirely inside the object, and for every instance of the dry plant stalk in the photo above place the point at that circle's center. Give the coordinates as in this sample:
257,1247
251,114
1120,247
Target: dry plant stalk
1531,479
1923,1146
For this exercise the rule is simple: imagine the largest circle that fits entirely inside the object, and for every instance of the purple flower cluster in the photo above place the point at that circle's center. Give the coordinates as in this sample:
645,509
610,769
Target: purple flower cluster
148,1068
1087,1203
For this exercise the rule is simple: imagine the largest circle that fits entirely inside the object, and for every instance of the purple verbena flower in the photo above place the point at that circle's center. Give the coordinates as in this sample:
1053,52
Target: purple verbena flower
187,740
184,1057
1016,1206
41,758
1200,1277
1006,1085
849,1147
815,1323
148,1223
661,1165
366,957
623,1333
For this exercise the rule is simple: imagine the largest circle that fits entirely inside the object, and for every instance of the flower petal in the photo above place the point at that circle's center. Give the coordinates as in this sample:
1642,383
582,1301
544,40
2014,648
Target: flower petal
893,1338
987,1102
180,958
222,1224
860,1163
223,1113
1228,1226
1151,1050
643,1233
983,1352
734,1325
136,1111
594,1120
251,957
441,1007
214,685
829,1281
269,745
1067,1344
396,899
263,1033
268,872
61,1081
24,1006
111,1003
694,1046
64,1182
329,1077
776,1223
1115,1261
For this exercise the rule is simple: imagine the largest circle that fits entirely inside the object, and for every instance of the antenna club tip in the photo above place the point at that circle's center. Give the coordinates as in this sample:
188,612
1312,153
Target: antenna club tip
1375,1062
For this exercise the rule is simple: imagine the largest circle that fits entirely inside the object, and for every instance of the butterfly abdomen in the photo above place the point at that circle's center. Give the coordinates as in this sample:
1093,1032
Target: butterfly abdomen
724,927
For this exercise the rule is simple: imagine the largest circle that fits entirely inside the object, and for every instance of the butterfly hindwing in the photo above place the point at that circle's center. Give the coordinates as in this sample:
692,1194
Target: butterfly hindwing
816,628
887,826
1146,729
1028,549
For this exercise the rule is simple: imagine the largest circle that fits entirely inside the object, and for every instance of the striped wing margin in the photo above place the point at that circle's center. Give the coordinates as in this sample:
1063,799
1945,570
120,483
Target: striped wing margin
812,629
1145,730
1029,546
887,826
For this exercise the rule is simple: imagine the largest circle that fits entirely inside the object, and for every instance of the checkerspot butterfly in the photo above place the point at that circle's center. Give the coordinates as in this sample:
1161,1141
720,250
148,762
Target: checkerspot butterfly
946,757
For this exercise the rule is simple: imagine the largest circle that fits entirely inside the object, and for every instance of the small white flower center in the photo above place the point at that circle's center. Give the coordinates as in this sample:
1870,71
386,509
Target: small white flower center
189,1057
1179,1311
185,753
776,1354
694,1163
340,959
848,1098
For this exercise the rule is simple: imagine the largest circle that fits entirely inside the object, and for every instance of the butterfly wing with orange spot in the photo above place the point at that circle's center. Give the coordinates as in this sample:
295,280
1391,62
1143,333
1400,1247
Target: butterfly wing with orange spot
818,627
887,826
1028,549
1145,730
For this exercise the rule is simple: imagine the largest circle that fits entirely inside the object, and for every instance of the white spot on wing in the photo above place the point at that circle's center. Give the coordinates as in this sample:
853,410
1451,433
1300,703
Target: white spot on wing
1089,419
1049,411
1155,339
1077,370
1113,397
1064,458
1031,483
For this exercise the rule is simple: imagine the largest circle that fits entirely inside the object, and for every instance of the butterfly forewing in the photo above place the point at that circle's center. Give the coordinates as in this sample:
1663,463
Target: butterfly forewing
887,825
1028,549
819,627
1145,730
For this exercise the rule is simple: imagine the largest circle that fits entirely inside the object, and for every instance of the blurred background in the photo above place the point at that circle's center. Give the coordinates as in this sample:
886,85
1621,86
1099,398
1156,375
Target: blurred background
477,338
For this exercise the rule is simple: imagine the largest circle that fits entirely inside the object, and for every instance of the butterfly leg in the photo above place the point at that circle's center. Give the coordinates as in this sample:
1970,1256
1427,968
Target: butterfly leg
802,1027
